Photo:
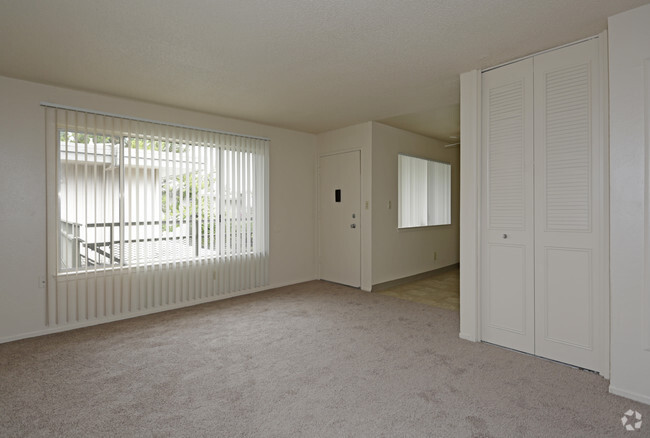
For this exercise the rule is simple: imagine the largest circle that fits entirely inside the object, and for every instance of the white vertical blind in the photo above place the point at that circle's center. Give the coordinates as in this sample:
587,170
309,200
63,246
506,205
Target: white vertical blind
413,192
424,192
438,193
143,215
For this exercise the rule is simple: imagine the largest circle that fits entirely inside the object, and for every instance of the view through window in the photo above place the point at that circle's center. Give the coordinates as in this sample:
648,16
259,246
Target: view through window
142,198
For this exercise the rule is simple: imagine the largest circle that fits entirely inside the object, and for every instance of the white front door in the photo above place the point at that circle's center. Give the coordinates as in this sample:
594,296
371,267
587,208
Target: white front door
507,257
339,220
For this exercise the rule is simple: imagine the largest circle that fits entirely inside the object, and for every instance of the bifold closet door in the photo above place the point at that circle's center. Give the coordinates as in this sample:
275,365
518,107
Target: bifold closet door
507,258
568,178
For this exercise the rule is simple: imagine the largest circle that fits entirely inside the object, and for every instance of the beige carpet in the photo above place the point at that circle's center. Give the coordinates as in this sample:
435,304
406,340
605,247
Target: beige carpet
311,360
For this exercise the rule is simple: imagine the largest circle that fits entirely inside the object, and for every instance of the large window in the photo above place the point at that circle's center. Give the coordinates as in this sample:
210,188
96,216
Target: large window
135,193
424,192
145,215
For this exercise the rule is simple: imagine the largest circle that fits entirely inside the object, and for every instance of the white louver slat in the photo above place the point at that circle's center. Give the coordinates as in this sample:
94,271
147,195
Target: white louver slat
506,157
568,149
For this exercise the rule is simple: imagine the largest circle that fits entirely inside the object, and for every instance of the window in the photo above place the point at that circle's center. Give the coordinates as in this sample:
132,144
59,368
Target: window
139,197
424,192
145,215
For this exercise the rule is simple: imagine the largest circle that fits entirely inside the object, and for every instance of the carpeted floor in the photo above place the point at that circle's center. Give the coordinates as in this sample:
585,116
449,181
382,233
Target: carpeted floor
310,360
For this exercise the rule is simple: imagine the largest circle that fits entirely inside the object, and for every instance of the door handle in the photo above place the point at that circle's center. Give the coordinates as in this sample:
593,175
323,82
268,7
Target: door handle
353,225
505,236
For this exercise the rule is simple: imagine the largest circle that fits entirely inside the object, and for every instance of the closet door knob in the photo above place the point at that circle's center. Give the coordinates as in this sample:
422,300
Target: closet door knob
505,236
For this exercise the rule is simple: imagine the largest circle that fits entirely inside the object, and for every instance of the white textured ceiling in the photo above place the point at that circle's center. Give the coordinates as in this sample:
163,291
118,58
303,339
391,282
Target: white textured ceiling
306,65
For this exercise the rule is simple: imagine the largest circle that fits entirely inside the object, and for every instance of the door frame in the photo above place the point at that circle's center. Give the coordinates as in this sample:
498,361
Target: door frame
470,225
362,216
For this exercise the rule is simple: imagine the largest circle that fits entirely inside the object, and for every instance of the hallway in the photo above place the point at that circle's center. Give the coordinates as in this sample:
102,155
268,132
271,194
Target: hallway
439,290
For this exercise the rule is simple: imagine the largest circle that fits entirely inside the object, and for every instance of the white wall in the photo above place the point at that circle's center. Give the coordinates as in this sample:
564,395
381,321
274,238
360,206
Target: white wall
357,137
470,108
629,56
400,253
386,252
22,193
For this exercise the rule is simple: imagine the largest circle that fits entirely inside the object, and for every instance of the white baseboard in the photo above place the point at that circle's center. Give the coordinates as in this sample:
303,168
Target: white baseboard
89,323
629,394
467,337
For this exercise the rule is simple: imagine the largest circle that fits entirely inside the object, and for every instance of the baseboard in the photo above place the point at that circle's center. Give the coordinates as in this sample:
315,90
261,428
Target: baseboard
467,337
90,323
400,281
629,394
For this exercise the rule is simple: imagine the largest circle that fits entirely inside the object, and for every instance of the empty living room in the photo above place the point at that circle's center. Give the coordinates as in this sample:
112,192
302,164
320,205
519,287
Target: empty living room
325,219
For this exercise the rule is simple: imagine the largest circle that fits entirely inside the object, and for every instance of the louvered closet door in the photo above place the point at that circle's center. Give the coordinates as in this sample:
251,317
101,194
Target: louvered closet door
568,178
507,265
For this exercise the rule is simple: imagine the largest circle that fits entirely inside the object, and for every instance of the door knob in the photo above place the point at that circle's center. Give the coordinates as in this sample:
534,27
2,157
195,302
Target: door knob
505,236
353,226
